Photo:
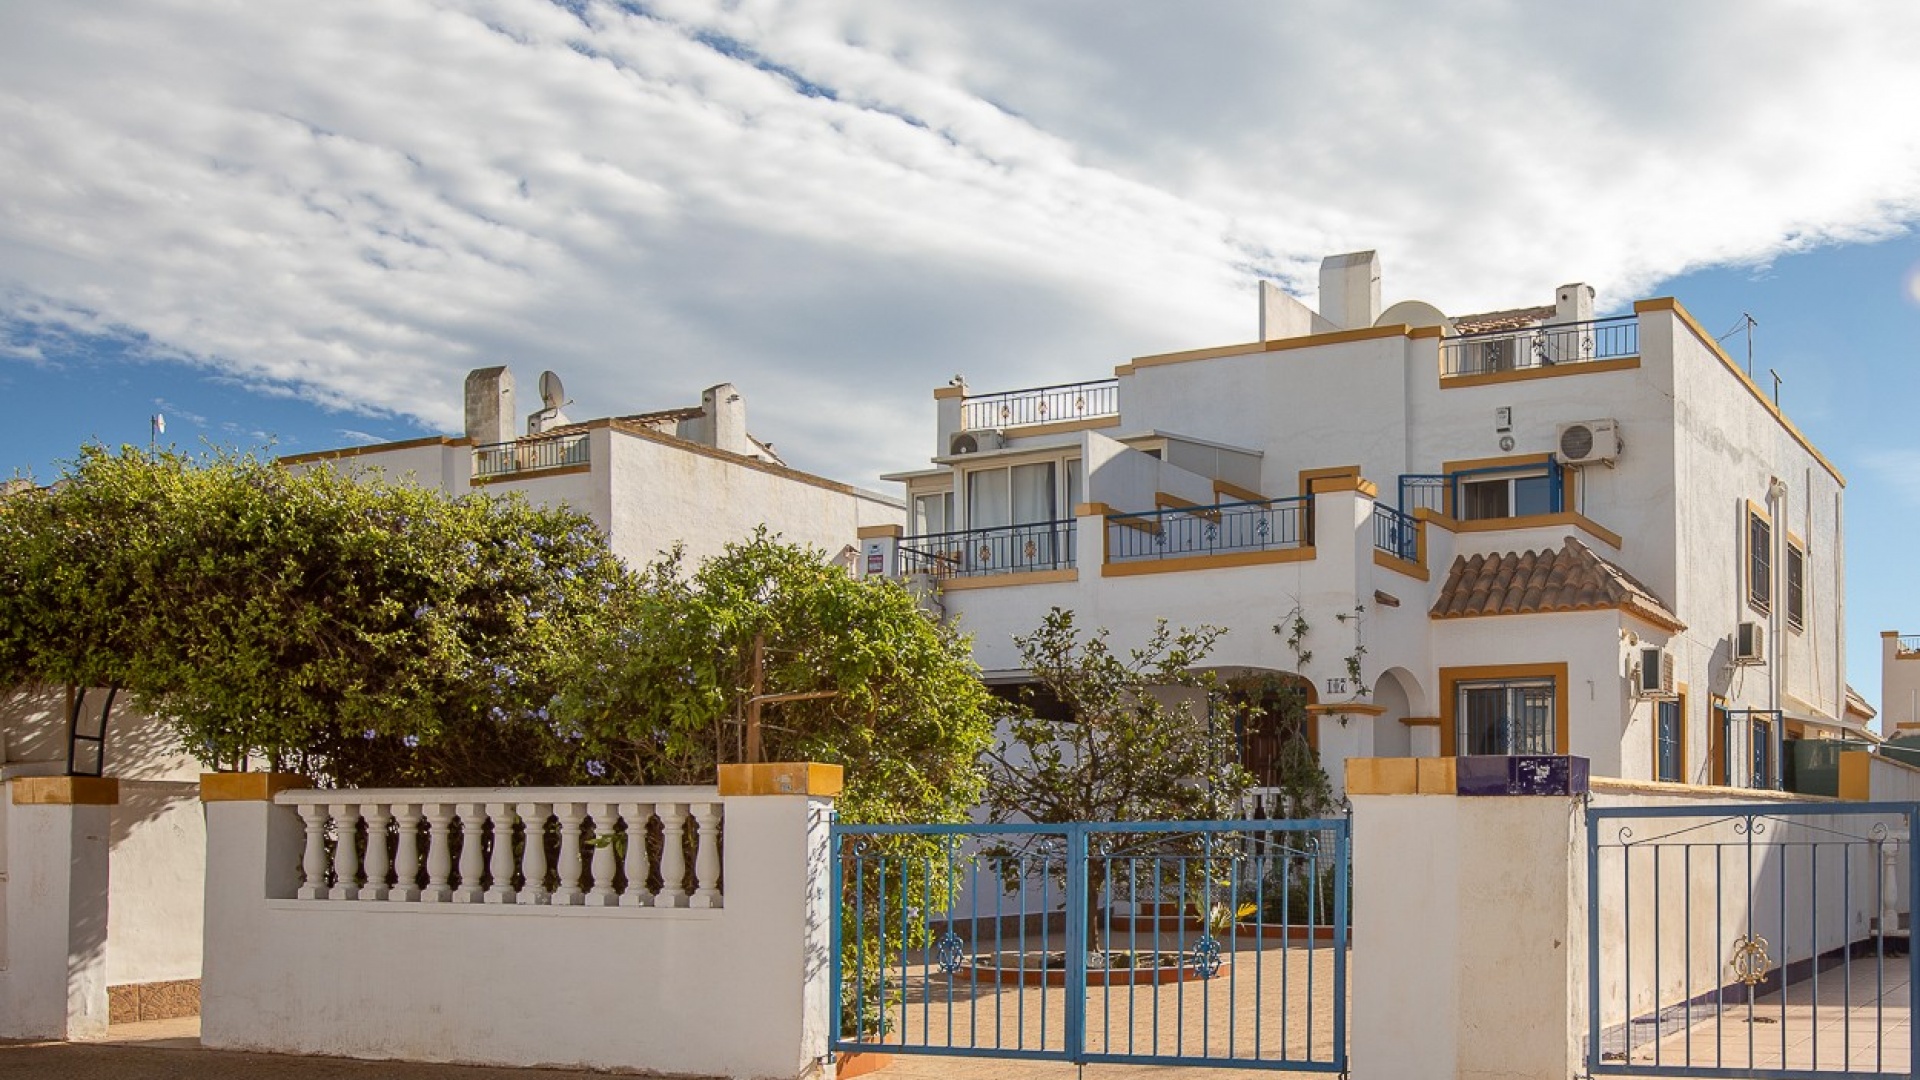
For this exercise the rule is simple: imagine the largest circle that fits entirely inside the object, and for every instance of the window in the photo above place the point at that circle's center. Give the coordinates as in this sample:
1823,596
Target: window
1759,560
1796,586
1760,742
1668,757
1512,717
933,513
1023,494
1506,496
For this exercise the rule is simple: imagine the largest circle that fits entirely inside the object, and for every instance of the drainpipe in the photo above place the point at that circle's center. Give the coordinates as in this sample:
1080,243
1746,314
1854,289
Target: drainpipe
1776,646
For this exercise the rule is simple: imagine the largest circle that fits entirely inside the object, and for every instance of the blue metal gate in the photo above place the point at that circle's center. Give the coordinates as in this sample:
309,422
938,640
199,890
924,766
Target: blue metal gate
1216,943
1751,940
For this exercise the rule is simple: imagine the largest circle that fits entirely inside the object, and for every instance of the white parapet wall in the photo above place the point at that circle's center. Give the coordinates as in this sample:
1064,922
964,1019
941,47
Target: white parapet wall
700,949
53,906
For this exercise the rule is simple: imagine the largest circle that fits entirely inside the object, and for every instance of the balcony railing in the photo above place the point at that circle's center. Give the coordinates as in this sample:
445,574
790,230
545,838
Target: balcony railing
1041,405
1906,644
528,455
1395,533
1541,346
1007,549
1210,530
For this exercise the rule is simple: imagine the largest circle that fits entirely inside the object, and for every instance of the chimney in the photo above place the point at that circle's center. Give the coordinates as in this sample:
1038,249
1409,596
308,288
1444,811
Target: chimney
1350,289
490,413
1573,303
725,425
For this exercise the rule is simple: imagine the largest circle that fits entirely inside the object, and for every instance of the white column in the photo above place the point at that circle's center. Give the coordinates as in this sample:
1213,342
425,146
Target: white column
533,858
376,818
346,851
313,862
602,894
706,860
406,854
638,865
673,858
472,832
568,893
439,853
56,940
501,866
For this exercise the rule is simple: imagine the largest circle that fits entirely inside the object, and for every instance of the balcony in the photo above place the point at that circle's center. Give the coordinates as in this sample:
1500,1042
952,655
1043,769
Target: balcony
1395,533
1006,549
1041,405
1907,645
1541,346
1225,528
496,461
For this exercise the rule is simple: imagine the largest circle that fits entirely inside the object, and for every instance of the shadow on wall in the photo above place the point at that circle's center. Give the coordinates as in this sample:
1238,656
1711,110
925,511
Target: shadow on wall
34,738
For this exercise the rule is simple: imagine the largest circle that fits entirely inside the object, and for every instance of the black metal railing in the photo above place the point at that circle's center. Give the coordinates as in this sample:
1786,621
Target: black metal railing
1424,491
1541,346
1041,405
1395,533
1907,643
1210,530
527,455
1006,549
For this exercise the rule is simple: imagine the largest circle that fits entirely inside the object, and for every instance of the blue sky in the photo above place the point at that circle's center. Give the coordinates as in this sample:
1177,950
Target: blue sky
304,223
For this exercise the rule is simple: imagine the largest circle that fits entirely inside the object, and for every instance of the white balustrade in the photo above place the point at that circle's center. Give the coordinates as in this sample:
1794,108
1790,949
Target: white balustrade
601,851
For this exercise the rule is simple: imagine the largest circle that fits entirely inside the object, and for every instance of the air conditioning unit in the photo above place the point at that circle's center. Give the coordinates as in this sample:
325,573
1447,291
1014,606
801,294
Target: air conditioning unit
972,442
1653,675
1750,643
1586,442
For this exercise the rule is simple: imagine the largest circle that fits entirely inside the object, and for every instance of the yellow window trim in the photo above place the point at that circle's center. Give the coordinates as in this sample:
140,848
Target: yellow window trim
1452,677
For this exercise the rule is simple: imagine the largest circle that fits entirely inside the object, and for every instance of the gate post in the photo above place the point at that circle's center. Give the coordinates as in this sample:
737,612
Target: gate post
1469,896
53,974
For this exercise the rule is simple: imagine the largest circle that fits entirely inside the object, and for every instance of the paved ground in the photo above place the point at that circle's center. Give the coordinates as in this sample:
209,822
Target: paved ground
1857,1019
170,1050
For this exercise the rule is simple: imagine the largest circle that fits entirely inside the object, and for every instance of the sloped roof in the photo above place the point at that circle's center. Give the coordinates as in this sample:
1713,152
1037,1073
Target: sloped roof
1857,705
1488,322
1538,582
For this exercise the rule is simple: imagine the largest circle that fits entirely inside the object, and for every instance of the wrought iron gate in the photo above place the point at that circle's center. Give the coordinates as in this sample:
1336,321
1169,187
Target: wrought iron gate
1762,940
1217,943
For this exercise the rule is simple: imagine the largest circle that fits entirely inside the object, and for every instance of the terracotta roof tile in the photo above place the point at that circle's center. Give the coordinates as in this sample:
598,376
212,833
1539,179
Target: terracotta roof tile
1533,582
1487,322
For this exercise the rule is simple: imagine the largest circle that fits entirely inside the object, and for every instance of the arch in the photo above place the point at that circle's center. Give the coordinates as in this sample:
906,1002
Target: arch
1268,709
1415,313
1398,692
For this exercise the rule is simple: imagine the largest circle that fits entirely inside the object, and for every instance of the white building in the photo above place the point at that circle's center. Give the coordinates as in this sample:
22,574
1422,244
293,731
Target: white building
693,476
1528,531
1899,683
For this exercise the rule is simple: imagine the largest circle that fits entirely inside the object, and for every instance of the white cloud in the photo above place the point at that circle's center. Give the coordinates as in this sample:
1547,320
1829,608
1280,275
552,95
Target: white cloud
837,205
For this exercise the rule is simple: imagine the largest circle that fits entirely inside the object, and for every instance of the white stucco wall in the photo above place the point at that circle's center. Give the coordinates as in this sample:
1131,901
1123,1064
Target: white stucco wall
54,982
740,991
156,884
33,726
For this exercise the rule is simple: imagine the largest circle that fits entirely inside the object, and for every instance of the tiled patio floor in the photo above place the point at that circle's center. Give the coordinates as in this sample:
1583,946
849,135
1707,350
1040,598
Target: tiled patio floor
1267,1002
1858,1020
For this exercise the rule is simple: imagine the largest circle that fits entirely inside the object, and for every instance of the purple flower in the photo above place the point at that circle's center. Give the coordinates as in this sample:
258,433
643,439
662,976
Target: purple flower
596,769
410,741
367,734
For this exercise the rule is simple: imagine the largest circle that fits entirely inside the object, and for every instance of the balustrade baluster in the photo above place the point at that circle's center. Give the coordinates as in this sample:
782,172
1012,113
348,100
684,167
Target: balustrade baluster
313,864
568,893
639,865
500,867
673,856
602,894
376,818
472,863
439,854
346,851
533,859
706,856
406,854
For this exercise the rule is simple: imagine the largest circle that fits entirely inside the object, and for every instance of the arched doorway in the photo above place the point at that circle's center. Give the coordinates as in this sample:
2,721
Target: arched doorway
1277,742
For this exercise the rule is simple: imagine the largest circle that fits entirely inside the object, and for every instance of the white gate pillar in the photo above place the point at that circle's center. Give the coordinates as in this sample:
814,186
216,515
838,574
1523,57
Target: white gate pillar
54,982
1469,945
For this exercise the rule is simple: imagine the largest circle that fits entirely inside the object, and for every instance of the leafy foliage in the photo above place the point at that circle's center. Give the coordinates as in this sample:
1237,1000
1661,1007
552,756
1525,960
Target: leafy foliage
374,632
662,697
1108,746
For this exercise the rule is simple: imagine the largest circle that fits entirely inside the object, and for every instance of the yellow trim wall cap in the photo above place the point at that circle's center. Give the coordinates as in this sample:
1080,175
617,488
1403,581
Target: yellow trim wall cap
248,786
65,791
1353,708
943,393
1401,776
782,778
876,532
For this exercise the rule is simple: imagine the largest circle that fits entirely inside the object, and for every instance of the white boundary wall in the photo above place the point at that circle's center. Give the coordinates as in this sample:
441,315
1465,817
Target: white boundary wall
738,990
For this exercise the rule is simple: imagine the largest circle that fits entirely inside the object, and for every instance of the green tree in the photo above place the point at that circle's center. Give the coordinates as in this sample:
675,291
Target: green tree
659,692
1114,736
370,631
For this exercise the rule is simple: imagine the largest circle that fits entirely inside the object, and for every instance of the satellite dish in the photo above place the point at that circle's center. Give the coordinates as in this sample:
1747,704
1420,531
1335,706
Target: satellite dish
552,394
